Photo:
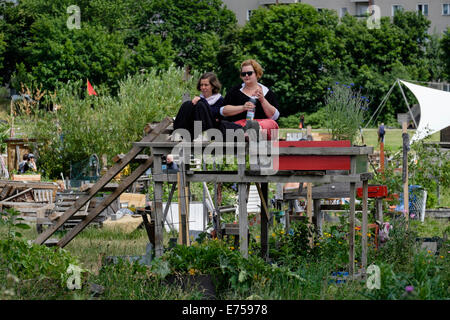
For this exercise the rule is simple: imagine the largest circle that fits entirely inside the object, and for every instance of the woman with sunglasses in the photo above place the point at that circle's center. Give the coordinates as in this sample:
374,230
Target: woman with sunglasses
238,101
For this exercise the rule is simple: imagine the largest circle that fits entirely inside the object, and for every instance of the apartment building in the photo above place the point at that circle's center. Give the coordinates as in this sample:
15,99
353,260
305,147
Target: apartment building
437,11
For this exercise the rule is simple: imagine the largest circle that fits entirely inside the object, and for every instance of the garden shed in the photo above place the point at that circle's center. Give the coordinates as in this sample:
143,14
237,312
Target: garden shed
16,148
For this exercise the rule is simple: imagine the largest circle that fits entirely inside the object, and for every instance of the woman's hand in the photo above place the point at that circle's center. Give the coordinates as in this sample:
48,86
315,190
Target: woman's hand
248,106
195,100
259,94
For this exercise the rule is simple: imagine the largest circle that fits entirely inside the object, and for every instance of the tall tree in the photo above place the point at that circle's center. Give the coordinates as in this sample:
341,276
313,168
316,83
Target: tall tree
445,52
193,25
296,46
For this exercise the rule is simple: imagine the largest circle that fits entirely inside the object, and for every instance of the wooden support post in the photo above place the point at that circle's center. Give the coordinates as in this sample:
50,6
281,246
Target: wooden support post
318,216
243,220
379,209
351,219
169,202
405,174
183,235
309,133
264,188
382,158
309,209
364,226
159,215
351,236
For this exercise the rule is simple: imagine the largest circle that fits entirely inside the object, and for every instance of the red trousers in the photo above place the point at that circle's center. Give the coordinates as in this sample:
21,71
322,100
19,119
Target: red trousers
267,125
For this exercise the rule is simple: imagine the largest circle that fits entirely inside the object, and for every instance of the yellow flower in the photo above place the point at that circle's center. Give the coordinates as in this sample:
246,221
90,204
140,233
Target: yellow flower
273,234
359,234
232,248
257,237
442,257
369,234
282,231
192,271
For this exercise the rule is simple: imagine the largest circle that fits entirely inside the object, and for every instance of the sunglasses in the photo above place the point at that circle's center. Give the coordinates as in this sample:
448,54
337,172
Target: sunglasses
248,73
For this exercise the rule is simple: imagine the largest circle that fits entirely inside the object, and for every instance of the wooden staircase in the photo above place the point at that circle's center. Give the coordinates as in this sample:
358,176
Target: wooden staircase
152,133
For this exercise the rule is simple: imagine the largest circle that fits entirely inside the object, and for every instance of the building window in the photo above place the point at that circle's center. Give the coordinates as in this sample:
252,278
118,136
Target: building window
343,11
446,9
395,8
423,8
249,14
446,87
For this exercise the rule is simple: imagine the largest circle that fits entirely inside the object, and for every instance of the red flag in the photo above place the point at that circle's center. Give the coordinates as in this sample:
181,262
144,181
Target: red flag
91,90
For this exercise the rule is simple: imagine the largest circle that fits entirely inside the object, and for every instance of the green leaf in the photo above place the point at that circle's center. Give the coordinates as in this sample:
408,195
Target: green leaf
22,226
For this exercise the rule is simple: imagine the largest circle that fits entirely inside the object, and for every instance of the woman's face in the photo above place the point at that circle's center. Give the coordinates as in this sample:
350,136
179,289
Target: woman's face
248,79
206,88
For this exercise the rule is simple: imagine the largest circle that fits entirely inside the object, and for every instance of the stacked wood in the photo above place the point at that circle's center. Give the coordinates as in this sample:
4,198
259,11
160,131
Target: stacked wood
64,201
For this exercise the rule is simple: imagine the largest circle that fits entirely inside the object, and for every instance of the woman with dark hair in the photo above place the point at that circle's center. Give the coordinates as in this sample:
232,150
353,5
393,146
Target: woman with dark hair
254,96
204,108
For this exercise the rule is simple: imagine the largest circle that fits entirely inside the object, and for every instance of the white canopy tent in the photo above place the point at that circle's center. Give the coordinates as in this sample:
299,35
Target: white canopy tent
434,108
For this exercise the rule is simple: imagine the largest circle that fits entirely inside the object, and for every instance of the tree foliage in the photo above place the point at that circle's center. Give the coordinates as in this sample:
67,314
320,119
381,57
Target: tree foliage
445,52
296,46
83,125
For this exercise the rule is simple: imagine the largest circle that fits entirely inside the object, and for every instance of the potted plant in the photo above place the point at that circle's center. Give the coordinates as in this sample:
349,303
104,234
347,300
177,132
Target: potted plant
345,107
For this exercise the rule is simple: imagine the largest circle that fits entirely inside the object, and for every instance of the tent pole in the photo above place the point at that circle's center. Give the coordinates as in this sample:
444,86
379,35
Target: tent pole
404,97
381,104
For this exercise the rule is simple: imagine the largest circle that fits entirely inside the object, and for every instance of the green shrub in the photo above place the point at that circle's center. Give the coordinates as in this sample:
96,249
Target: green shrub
344,108
85,125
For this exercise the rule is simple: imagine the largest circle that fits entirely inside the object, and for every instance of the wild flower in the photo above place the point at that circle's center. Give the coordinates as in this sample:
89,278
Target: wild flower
409,289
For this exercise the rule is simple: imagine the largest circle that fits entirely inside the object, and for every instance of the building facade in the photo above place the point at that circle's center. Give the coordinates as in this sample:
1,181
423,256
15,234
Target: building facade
437,11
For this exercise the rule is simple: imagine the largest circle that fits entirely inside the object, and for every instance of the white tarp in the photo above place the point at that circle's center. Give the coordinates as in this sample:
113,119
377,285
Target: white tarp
434,110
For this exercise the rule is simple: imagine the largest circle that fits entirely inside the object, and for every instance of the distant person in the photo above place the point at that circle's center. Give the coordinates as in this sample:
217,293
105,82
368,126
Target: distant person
381,133
171,165
302,122
29,163
23,163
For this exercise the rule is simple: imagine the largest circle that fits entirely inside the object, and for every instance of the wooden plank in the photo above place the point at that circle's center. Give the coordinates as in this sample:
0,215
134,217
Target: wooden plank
26,177
5,191
405,174
352,230
18,194
309,209
159,219
139,158
318,216
243,220
364,226
134,199
260,178
263,201
264,222
107,177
